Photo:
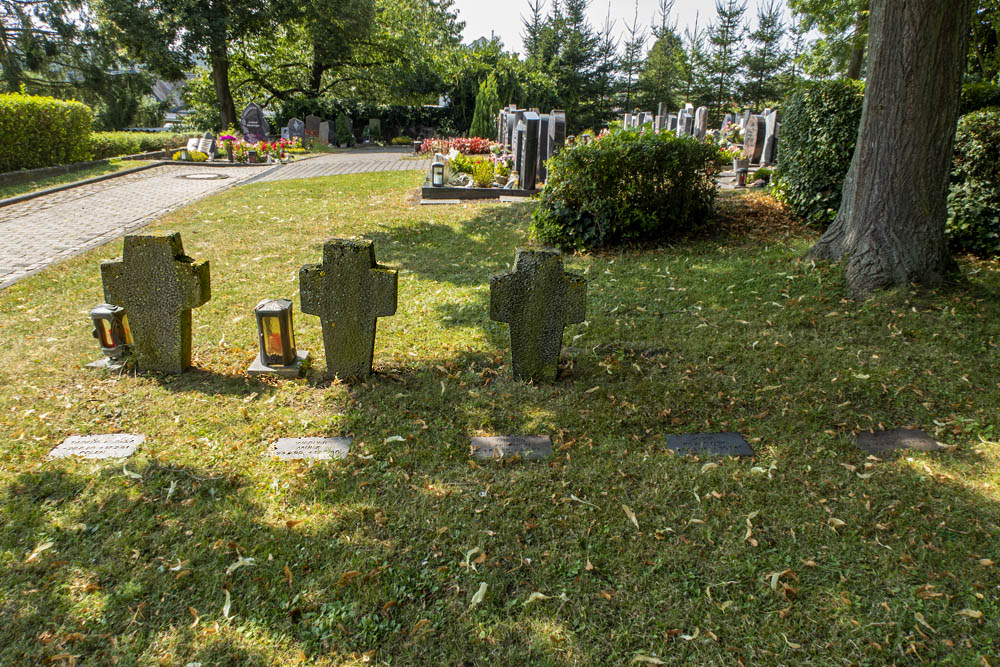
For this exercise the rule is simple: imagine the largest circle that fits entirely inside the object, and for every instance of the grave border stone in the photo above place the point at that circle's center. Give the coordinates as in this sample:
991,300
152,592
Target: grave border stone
726,443
506,447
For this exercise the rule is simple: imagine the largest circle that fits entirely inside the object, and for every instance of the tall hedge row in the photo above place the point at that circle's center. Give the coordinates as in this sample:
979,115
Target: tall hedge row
42,132
974,195
115,144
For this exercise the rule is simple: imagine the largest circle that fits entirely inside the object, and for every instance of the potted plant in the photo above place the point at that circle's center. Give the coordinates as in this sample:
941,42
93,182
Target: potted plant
227,142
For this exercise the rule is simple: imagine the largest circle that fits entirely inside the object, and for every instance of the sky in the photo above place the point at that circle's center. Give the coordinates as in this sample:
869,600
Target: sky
504,18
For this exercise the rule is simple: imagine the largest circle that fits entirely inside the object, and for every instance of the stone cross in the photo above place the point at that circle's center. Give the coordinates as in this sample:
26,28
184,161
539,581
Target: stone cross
348,292
537,300
157,285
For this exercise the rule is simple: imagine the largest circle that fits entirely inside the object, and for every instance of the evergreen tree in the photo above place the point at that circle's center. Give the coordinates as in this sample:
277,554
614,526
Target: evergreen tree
607,67
725,37
765,58
695,85
575,64
663,74
662,25
487,108
534,25
632,56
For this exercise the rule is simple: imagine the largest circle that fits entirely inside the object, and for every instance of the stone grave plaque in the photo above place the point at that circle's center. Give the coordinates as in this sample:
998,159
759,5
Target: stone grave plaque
192,144
753,139
528,171
770,153
284,134
557,131
312,125
296,128
885,442
517,148
531,447
324,449
324,133
543,146
715,444
254,124
110,446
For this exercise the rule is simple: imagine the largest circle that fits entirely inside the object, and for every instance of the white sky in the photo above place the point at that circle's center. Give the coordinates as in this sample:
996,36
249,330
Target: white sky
504,18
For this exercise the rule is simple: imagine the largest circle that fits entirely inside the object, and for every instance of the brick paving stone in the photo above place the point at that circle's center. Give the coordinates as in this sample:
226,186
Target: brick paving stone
349,162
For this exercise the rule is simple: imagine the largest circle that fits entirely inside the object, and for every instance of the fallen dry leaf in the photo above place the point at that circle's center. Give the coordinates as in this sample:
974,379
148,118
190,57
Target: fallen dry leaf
631,516
536,596
647,660
970,613
347,577
479,595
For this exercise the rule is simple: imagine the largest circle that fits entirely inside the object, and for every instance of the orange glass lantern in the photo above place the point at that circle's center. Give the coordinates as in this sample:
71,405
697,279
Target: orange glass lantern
274,328
111,330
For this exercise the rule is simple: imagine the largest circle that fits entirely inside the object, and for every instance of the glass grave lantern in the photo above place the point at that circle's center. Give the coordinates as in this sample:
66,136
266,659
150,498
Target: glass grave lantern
276,335
437,174
113,333
741,177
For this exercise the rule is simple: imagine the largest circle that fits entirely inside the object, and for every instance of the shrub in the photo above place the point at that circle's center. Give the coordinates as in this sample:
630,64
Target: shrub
42,132
402,141
463,164
482,174
818,134
342,131
624,187
976,96
114,144
974,198
763,174
487,106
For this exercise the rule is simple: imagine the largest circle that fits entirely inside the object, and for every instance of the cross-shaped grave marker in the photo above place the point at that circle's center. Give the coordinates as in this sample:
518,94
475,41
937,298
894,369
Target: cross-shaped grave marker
348,292
157,285
537,300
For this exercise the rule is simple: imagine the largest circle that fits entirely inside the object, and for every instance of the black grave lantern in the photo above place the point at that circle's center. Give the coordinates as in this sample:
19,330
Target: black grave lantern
274,328
111,330
741,177
437,174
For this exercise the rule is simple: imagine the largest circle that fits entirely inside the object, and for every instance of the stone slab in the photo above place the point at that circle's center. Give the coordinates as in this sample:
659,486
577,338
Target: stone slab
712,444
439,202
320,449
530,447
293,370
884,442
108,446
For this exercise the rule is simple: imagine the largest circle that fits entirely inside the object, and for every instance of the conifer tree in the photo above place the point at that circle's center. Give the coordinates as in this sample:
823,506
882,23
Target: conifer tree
633,56
725,38
765,58
487,108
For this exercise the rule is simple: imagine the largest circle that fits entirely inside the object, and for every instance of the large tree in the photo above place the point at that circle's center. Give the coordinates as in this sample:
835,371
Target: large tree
725,37
633,56
844,28
765,56
891,221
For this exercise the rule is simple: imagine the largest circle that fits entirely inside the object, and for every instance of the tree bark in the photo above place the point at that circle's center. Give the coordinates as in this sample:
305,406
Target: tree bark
220,79
891,220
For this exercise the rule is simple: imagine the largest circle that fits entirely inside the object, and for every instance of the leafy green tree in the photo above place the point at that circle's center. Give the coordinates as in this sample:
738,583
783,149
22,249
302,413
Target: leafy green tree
844,28
765,57
984,42
725,38
487,108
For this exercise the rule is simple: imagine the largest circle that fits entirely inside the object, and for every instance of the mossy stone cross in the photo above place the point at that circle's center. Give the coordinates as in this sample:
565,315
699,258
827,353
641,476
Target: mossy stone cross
348,292
157,285
537,300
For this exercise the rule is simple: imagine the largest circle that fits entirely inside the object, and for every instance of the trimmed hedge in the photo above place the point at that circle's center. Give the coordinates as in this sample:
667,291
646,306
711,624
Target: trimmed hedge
818,133
976,96
42,132
626,187
974,197
115,144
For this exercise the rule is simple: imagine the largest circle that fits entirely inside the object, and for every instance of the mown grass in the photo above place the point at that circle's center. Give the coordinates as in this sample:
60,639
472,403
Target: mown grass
811,553
111,167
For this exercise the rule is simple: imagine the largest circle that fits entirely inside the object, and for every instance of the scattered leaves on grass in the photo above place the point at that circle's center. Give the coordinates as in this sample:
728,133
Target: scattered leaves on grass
791,645
535,596
348,577
479,595
970,613
631,516
44,546
130,474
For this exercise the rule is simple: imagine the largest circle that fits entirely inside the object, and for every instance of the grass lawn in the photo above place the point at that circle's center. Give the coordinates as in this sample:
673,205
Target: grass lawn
199,549
72,177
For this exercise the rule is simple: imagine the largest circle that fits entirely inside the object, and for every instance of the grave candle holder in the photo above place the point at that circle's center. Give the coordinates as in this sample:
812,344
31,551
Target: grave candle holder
276,335
741,177
437,174
112,331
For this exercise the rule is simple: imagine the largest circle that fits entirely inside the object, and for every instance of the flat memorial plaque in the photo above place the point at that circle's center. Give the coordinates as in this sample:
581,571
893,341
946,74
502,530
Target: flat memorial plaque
715,444
109,446
290,449
884,442
531,447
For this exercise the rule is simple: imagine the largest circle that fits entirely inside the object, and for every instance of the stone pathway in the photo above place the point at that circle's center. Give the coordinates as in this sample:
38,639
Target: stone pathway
350,162
48,229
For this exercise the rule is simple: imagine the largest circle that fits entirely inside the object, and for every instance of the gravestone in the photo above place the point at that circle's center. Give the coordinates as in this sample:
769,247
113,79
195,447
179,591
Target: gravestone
348,292
727,120
324,133
207,144
660,109
323,449
557,131
660,123
508,132
516,146
745,117
753,139
688,106
528,172
716,444
312,125
284,134
770,155
687,121
110,446
192,144
700,123
537,299
157,285
543,146
375,129
531,447
627,121
254,124
296,129
671,122
514,120
884,442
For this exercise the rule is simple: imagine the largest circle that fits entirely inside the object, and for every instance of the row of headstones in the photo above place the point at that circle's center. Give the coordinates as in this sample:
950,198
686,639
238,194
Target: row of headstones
760,138
533,138
255,127
158,286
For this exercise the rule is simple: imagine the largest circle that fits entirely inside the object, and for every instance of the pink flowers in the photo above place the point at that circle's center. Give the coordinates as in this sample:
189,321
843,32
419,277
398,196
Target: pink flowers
465,146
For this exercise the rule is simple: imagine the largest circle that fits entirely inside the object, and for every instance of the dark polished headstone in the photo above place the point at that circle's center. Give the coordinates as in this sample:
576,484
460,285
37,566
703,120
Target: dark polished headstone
884,442
543,146
531,447
528,173
753,139
253,124
714,444
557,131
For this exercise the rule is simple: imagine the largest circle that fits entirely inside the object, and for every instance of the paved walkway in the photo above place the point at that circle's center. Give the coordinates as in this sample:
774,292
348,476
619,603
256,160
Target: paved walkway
50,228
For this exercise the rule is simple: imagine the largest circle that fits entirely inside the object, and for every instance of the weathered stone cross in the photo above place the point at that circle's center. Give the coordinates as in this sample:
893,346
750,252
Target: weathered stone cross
348,292
537,300
157,285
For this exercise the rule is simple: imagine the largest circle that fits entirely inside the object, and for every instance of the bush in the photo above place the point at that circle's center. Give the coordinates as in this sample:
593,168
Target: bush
114,144
402,141
342,131
974,198
818,134
976,96
42,132
482,174
624,187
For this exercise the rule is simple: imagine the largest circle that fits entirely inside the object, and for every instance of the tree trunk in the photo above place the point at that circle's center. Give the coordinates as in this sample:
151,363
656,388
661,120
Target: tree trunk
891,219
220,79
857,58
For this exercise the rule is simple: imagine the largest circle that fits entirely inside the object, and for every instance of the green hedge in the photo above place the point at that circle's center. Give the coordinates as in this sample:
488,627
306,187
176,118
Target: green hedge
626,187
115,144
818,133
42,132
976,96
974,197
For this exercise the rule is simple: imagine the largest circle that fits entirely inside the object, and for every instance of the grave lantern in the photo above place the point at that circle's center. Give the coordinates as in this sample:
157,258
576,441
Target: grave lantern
274,328
437,174
111,330
741,177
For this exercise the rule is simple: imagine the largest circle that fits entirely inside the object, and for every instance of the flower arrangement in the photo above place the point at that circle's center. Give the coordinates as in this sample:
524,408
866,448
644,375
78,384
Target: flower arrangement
733,152
470,146
732,133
